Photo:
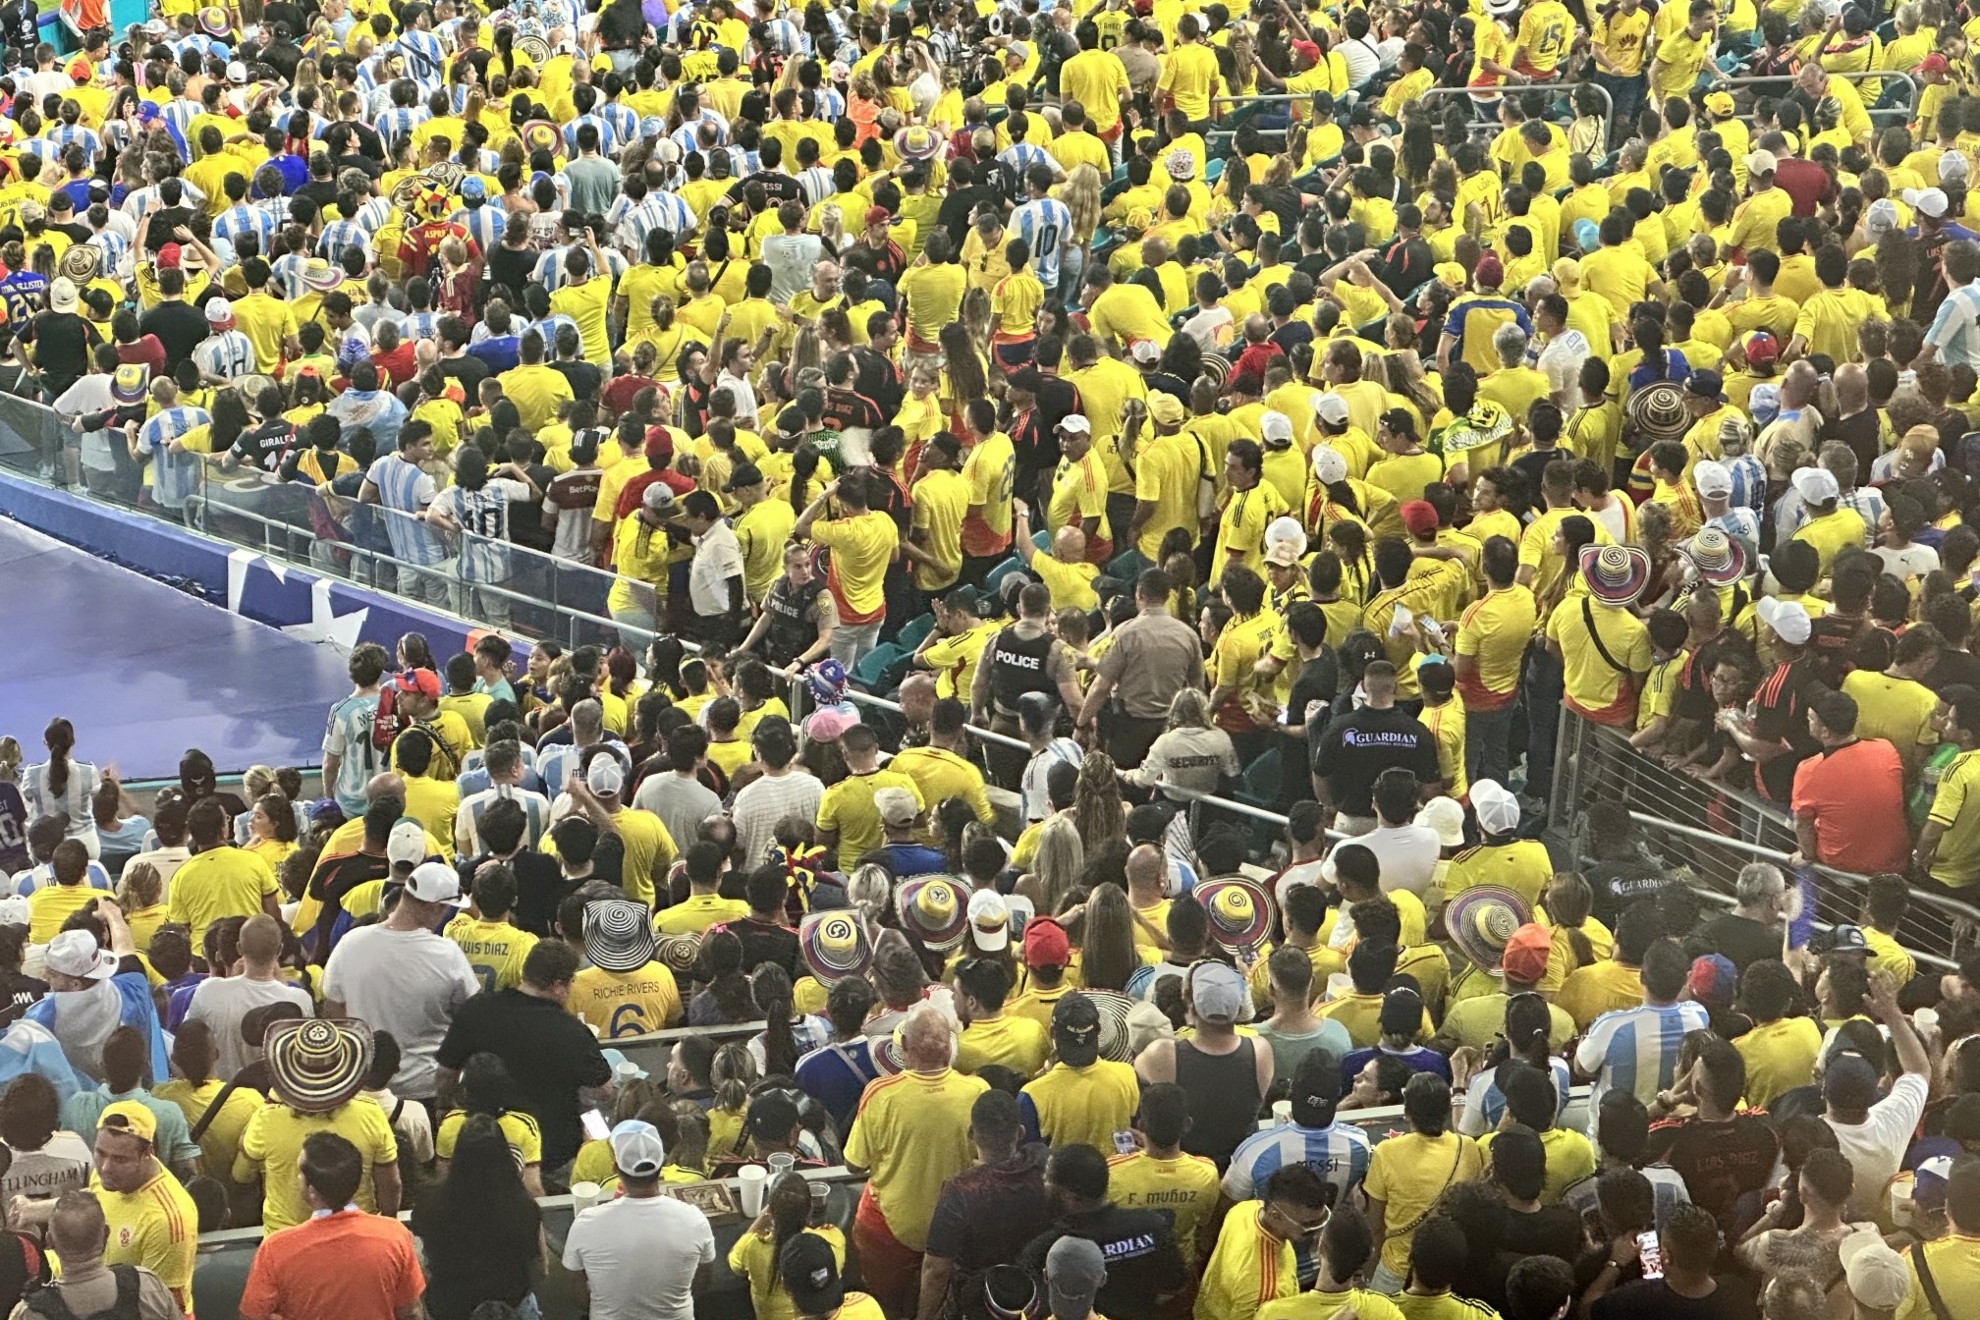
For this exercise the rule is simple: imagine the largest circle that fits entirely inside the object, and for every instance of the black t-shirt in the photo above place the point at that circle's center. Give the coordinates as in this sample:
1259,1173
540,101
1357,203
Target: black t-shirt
766,942
1780,713
1498,1236
550,1054
1361,744
583,377
1619,882
266,445
511,268
179,326
1719,1162
62,341
985,1214
1741,939
540,888
333,878
1140,1250
469,370
1653,1300
1862,433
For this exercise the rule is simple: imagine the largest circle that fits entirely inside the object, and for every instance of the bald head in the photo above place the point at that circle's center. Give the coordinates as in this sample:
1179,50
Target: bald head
917,697
78,1231
261,941
1257,328
1069,545
1798,386
381,786
1852,387
1145,868
926,1037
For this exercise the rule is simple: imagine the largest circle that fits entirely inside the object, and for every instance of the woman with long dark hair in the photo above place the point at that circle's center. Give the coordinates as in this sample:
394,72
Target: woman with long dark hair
482,1230
786,1213
62,785
488,1090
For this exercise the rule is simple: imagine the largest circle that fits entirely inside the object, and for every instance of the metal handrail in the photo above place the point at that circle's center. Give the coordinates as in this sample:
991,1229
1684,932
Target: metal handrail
1852,75
1608,101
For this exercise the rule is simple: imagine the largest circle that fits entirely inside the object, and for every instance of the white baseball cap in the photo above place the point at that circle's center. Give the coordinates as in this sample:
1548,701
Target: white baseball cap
1876,1275
1787,618
1076,423
1276,427
76,953
989,920
1816,485
1328,465
604,775
434,882
1444,816
1927,201
896,806
637,1149
1329,408
1497,808
1761,162
1712,478
406,844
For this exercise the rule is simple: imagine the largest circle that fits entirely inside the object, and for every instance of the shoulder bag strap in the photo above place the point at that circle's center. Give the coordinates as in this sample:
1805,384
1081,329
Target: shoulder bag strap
1595,636
212,1112
1928,1283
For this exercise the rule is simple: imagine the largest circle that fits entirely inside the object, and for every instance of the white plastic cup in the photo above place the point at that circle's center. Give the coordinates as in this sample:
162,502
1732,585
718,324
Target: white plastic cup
1282,1111
584,1195
1902,1205
781,1162
752,1178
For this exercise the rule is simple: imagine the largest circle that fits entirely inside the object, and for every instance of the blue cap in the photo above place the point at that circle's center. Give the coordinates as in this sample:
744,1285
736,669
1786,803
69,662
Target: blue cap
1587,235
473,189
653,126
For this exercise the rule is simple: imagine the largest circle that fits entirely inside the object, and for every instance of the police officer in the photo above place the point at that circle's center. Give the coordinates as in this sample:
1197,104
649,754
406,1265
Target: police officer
1025,657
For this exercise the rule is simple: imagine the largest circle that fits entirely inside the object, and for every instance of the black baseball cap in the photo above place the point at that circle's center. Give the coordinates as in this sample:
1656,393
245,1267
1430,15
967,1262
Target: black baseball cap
1076,1030
744,476
811,1275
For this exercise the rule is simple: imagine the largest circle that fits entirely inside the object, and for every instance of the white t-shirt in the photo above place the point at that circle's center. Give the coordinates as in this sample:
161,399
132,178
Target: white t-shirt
717,558
1408,855
1037,801
1561,362
639,1256
222,1001
1910,562
62,1165
407,982
1876,1146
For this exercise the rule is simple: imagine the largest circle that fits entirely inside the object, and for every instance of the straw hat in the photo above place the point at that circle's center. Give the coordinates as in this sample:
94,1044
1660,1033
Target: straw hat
618,935
1616,574
1481,919
834,945
935,907
1239,910
318,1064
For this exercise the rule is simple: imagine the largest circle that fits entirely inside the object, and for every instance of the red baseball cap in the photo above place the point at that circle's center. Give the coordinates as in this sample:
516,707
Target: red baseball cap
1934,63
1524,959
1762,348
1045,943
168,256
878,215
1419,517
1310,49
423,681
659,442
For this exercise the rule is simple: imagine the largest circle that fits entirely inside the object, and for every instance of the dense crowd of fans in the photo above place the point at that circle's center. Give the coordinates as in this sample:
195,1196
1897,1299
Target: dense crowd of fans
1151,400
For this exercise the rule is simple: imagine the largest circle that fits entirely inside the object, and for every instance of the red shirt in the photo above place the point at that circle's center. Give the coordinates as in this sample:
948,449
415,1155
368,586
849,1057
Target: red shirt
1806,182
346,1266
1856,796
146,350
618,396
396,367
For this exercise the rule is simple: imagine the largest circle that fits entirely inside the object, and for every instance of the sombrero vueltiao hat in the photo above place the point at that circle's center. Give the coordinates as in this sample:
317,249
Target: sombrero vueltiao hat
917,142
80,263
1657,412
618,935
1486,424
935,907
320,275
679,954
1481,919
318,1064
1720,560
1116,1042
533,48
214,22
129,382
1616,574
1240,912
834,945
542,135
1216,366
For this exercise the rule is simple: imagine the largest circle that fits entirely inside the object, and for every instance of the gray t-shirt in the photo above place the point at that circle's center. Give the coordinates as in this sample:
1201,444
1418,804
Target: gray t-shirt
680,803
594,184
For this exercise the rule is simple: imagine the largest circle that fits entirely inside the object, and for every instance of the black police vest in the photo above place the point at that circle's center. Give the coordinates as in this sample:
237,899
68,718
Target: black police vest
1017,666
792,627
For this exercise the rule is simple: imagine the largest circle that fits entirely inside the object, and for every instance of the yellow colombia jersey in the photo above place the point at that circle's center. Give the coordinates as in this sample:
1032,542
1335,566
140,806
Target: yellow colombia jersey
1248,1268
911,1134
1366,1305
1081,1106
157,1226
626,1003
495,949
1186,1186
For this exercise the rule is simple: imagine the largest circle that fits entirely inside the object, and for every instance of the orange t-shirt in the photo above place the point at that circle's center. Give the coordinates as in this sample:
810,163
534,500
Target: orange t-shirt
347,1264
